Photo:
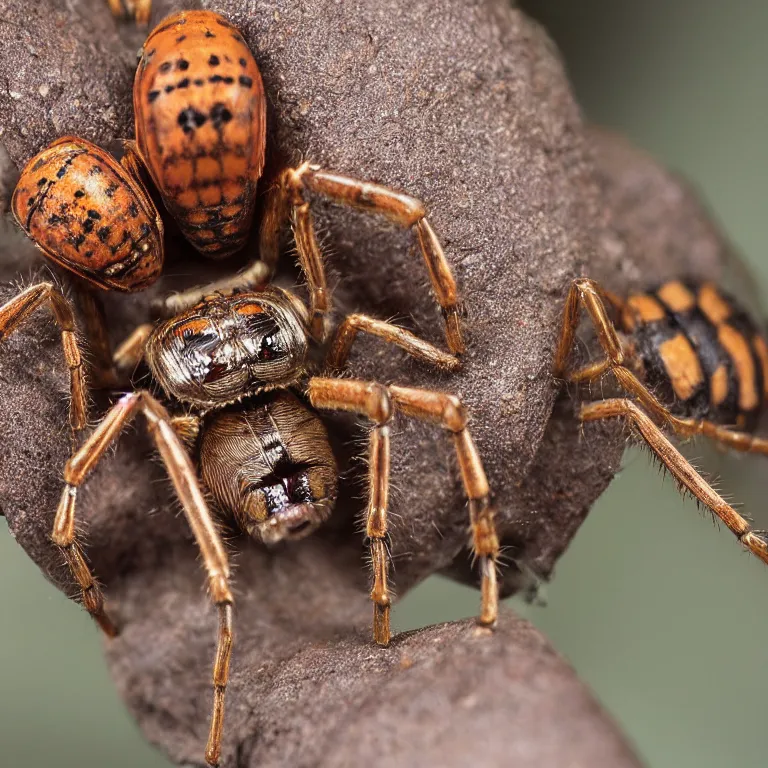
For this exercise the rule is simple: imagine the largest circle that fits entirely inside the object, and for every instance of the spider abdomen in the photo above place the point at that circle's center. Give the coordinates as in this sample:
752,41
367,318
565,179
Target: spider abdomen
700,352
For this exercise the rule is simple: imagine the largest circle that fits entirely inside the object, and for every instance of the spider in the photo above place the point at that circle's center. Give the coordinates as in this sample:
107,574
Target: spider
234,358
690,361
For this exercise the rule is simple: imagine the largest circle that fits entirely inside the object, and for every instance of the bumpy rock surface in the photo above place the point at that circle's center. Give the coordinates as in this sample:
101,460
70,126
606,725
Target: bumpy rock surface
66,71
472,113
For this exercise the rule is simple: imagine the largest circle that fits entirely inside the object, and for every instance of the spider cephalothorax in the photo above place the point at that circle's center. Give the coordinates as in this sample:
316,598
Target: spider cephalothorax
227,347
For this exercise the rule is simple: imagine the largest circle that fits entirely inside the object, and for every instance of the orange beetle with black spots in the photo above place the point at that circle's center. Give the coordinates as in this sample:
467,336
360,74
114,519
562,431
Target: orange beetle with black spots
687,359
90,215
201,127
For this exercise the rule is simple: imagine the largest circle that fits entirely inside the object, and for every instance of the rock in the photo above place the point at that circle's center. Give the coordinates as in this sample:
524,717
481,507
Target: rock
67,72
474,115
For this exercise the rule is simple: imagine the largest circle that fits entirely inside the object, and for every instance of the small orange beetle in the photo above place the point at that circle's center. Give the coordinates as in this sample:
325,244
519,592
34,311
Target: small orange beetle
89,214
200,127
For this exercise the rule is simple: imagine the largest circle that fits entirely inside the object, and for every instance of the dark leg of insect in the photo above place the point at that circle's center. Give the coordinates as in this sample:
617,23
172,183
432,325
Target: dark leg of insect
287,198
182,474
680,468
100,367
346,333
19,308
377,402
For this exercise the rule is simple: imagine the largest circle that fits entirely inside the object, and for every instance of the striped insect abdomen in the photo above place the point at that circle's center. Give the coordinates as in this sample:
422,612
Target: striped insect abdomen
702,354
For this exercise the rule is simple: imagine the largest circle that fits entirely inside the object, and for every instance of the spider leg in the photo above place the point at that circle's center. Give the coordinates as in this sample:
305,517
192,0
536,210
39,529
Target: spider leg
588,294
182,474
101,373
377,403
679,467
14,312
139,9
287,198
130,353
346,333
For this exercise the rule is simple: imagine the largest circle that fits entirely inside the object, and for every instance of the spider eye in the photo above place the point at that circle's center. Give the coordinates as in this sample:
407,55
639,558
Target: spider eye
269,348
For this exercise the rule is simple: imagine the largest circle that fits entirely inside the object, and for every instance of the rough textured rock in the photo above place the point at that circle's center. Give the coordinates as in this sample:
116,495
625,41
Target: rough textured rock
474,115
65,71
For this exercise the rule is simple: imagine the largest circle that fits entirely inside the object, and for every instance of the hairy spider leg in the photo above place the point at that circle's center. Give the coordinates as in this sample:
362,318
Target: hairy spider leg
184,478
141,10
287,199
14,312
377,403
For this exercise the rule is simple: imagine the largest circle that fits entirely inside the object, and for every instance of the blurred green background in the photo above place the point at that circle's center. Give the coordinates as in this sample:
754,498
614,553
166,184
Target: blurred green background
659,611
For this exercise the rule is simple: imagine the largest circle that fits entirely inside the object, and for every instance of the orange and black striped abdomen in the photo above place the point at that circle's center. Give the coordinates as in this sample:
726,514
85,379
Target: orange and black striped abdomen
200,127
702,354
89,215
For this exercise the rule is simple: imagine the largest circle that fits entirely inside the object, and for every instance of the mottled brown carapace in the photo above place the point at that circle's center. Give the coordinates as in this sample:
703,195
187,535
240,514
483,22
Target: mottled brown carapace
88,214
200,127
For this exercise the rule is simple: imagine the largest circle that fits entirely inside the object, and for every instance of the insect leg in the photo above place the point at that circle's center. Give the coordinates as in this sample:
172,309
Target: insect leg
399,208
679,467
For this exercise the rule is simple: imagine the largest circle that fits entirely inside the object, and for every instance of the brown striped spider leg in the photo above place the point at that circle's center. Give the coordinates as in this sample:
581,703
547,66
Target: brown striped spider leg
378,403
140,10
700,350
14,312
287,200
184,478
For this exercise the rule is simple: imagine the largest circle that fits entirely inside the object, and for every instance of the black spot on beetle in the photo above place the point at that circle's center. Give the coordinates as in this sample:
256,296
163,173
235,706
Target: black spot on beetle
199,81
152,95
88,226
145,230
170,88
62,171
95,170
182,64
189,119
78,241
80,193
181,39
229,80
93,214
243,63
166,66
133,210
111,189
214,60
220,115
88,254
208,33
42,181
31,201
103,233
53,220
183,83
246,82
